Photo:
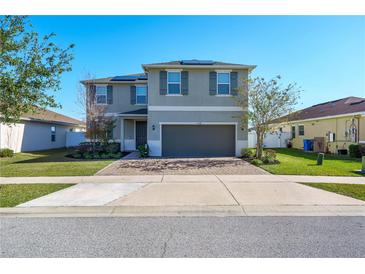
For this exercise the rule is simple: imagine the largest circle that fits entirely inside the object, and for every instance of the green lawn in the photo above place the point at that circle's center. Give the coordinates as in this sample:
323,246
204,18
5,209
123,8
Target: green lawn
298,162
354,191
12,195
49,163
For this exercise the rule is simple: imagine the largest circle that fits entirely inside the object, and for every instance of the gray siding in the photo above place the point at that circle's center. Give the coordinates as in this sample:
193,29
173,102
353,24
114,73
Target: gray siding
198,94
128,129
122,99
155,117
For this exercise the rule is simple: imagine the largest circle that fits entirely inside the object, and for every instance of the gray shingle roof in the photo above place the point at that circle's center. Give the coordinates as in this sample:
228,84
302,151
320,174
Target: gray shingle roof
196,62
142,77
142,111
52,117
129,78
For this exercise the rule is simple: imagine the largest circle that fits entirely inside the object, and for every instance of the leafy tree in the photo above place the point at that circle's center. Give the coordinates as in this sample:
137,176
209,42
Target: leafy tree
29,67
265,101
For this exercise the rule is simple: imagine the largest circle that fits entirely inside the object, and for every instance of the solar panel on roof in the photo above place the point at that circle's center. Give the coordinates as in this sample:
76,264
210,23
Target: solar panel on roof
129,77
124,78
197,62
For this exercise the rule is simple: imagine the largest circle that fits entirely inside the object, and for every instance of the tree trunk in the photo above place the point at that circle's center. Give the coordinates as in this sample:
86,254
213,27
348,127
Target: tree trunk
259,144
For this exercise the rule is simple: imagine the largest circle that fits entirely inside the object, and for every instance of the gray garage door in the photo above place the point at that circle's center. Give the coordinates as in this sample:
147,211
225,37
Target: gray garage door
198,140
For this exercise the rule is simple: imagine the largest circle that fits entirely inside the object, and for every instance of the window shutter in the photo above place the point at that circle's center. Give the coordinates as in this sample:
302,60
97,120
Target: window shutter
234,83
212,83
92,92
163,82
184,82
147,95
109,95
133,95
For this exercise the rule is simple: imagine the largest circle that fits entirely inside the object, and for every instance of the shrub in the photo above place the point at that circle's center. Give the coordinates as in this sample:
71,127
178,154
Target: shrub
289,145
116,155
88,155
362,150
104,156
354,151
248,152
143,151
256,162
6,152
96,156
112,147
76,155
88,146
269,156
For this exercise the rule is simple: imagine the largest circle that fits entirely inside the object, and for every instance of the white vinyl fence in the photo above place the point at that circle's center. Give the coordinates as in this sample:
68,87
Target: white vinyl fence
271,140
73,139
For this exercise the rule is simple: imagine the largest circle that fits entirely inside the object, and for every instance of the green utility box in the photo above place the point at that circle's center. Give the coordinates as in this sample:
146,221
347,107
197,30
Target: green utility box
320,159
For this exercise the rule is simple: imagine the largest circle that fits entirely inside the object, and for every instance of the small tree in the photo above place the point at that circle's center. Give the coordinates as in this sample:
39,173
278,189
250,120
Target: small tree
98,125
108,125
92,112
265,101
30,66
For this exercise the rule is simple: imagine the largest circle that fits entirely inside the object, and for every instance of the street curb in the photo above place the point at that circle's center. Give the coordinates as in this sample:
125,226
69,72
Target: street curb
186,211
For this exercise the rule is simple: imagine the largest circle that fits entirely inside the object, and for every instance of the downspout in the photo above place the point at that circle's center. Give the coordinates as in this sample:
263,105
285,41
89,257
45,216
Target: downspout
358,129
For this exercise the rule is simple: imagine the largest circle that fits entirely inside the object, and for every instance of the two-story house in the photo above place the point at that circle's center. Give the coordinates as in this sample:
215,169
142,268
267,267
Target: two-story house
180,108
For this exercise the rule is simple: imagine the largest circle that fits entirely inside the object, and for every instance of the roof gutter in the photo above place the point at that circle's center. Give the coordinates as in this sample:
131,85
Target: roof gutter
249,67
325,117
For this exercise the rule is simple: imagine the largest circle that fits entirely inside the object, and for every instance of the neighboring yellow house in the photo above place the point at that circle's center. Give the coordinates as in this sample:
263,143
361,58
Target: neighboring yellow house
332,126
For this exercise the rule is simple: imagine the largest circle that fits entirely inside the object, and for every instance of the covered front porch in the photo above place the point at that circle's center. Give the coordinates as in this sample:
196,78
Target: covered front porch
133,129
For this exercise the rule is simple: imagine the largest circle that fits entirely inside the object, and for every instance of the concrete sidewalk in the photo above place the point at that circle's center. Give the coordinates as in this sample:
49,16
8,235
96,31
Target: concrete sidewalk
175,198
181,178
183,211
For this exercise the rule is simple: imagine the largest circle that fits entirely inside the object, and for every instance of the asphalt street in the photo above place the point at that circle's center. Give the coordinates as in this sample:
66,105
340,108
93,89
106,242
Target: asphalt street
183,237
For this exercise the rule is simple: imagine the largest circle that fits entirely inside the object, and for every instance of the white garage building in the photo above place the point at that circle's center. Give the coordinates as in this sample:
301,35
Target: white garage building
39,131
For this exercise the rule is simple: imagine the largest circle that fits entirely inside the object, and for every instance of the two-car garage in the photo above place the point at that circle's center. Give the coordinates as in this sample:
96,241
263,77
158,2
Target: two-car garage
196,140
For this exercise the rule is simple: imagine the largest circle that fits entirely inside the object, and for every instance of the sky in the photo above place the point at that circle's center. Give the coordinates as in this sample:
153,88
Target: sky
324,55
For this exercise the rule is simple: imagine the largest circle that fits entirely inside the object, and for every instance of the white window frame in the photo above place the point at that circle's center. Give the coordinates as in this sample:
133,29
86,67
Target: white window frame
53,133
168,82
145,95
229,82
293,131
299,130
96,94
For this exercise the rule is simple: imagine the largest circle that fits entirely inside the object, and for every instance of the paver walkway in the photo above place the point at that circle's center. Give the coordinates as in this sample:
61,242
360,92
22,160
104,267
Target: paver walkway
182,166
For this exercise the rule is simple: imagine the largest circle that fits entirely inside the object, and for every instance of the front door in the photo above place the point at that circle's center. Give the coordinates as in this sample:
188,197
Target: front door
141,133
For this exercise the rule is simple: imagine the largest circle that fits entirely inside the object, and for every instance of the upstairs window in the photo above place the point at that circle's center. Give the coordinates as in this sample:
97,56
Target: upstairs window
100,95
223,80
173,82
141,95
53,134
301,130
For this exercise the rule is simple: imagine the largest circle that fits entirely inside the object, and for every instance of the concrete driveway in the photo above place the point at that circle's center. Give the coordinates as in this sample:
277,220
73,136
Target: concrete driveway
195,194
182,166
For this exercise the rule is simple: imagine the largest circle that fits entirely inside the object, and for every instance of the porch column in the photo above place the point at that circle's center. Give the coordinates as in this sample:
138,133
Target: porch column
121,134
